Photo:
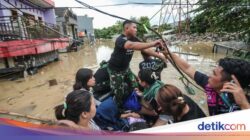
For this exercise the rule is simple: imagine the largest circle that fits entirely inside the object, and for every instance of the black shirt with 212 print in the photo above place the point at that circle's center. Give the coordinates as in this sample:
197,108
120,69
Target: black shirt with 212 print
121,57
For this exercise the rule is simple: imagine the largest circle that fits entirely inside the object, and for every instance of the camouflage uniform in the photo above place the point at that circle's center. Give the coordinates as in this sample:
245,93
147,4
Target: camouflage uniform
118,81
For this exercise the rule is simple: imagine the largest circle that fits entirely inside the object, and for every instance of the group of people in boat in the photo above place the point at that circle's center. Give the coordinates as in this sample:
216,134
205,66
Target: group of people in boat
114,98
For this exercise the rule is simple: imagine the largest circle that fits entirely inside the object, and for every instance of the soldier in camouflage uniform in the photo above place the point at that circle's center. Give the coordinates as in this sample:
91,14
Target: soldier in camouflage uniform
118,65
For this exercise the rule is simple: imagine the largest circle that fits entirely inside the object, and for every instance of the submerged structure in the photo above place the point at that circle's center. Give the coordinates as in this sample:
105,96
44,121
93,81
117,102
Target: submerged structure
29,36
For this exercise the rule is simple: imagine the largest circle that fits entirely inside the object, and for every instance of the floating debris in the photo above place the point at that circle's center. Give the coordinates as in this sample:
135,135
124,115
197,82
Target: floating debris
52,82
186,53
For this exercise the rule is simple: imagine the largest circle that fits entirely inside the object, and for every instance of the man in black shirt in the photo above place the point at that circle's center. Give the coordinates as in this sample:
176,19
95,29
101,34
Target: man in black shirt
118,65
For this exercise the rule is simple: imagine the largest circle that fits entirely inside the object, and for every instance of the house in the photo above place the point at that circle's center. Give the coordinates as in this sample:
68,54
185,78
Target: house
41,10
85,24
29,36
66,19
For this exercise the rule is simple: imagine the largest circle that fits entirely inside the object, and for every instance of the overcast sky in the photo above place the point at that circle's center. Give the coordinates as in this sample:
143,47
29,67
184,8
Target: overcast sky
127,11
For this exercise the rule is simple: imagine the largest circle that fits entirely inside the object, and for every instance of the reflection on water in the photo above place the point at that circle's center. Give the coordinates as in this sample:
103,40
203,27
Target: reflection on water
103,52
34,96
199,56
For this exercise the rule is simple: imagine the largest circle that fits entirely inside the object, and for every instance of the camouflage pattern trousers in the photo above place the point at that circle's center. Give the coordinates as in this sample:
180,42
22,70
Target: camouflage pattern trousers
119,82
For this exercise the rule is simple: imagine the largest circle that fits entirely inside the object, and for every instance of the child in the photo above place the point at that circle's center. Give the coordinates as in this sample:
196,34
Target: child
156,65
84,79
148,81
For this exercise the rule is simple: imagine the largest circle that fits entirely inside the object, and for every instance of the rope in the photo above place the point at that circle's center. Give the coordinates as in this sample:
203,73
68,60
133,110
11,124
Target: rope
171,57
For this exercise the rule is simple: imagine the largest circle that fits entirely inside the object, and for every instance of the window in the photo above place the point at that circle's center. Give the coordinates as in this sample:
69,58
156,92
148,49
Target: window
14,14
40,19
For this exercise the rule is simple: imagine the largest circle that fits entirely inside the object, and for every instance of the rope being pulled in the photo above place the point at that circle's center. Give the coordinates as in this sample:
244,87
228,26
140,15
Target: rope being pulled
147,28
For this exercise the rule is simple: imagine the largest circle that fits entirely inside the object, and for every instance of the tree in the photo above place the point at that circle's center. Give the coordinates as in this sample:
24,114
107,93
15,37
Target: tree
164,27
230,16
108,32
140,29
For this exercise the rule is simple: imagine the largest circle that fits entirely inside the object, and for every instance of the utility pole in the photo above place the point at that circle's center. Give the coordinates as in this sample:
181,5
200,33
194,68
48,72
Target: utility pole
175,13
187,18
179,11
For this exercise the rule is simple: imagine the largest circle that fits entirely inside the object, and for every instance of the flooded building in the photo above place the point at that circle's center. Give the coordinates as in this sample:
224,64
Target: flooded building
235,49
85,24
32,9
66,19
29,36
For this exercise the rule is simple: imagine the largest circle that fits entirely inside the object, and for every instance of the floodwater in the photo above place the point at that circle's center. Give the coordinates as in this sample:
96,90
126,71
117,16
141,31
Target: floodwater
34,96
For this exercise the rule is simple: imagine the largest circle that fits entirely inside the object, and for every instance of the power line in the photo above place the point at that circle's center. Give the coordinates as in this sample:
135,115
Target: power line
172,61
130,3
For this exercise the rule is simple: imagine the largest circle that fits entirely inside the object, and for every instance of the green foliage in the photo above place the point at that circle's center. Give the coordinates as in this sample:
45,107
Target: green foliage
108,32
232,16
140,29
164,27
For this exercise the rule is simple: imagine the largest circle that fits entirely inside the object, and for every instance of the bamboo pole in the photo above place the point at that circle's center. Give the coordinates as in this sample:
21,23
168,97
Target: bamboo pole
13,114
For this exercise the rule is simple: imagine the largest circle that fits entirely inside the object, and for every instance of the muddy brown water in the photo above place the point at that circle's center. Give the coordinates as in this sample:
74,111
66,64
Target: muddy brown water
34,96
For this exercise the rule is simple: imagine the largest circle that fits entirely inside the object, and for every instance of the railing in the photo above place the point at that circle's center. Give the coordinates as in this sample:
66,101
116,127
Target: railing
9,28
16,28
51,2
